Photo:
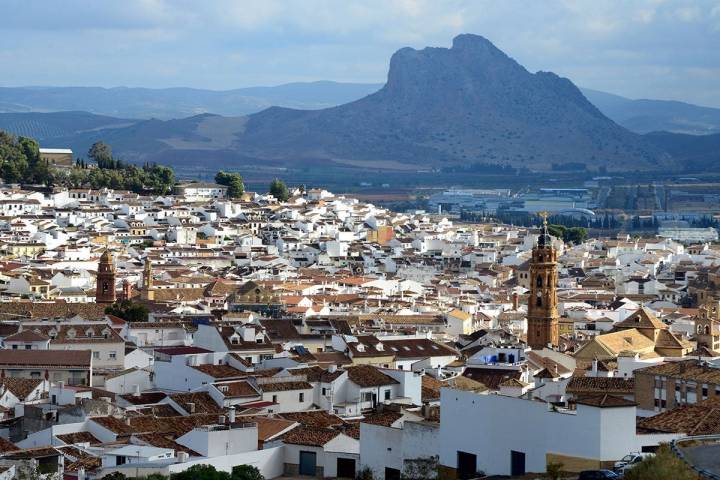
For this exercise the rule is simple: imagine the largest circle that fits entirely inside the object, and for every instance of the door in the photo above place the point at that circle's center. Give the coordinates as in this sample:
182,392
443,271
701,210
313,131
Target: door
308,463
517,463
345,468
466,465
392,473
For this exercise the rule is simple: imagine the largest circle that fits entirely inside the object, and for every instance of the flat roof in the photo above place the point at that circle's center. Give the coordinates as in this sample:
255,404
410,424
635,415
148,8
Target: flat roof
56,150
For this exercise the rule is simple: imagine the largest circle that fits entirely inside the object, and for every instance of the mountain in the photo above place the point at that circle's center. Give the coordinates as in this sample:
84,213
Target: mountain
696,152
443,107
169,103
644,116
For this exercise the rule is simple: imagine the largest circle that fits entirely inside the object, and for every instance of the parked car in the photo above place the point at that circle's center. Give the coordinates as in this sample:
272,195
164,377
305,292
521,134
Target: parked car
629,461
598,475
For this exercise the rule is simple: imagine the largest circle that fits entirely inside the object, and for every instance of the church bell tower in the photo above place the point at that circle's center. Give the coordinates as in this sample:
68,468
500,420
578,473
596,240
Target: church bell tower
105,284
707,325
542,315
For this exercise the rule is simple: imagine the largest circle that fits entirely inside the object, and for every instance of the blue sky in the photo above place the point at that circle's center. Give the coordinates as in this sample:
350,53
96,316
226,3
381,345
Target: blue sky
637,48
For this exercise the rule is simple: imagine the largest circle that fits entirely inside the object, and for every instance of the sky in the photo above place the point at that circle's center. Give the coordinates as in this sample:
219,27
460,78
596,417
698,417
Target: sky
635,48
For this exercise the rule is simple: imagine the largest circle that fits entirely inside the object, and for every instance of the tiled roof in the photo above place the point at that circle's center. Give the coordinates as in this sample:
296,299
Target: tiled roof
604,401
369,376
384,419
220,371
692,369
79,437
314,418
20,387
285,386
145,398
204,403
237,389
585,385
50,358
490,377
310,436
699,419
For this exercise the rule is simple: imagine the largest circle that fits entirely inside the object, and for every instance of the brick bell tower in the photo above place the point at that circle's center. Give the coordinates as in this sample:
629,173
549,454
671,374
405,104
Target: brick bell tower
542,315
105,284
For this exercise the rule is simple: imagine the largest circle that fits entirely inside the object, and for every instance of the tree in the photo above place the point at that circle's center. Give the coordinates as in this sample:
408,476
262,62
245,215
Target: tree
664,465
576,235
101,153
232,180
129,311
553,470
366,473
201,472
279,190
246,472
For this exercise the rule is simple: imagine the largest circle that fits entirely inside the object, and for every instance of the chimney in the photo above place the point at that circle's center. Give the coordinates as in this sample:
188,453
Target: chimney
594,367
332,368
127,421
191,407
221,420
136,393
515,301
231,415
81,474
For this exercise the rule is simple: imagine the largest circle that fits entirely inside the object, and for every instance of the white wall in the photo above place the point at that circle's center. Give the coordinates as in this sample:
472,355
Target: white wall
483,425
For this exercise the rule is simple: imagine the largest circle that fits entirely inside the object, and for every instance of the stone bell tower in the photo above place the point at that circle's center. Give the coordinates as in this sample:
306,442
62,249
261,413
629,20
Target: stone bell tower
707,325
542,315
147,292
105,281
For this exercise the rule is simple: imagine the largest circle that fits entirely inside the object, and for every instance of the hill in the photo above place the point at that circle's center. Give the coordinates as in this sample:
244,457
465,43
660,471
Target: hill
440,107
644,116
169,103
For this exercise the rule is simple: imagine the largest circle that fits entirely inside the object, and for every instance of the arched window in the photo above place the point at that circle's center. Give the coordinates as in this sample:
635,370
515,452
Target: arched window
539,281
538,301
699,329
707,329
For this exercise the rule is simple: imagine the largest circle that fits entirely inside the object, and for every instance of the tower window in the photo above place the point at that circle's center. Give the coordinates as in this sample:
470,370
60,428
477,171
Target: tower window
539,281
538,301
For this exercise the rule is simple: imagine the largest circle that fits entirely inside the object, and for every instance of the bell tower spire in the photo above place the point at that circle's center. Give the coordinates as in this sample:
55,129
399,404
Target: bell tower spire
105,280
542,316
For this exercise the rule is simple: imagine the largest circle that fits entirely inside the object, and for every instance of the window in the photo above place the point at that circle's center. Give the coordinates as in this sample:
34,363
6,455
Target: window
324,391
387,394
274,399
112,355
28,347
704,391
367,396
301,397
96,355
15,347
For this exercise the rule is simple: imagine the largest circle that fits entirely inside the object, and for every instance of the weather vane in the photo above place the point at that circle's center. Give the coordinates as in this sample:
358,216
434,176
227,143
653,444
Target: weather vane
544,215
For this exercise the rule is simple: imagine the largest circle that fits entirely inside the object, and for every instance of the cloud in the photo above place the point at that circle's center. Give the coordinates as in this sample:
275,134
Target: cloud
621,46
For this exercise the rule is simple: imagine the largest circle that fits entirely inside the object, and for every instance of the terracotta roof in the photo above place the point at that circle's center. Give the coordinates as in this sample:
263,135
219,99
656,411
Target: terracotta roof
692,369
612,385
310,436
145,398
699,419
20,387
79,437
369,376
220,371
490,377
642,318
314,418
49,358
165,441
27,336
384,419
204,403
237,389
285,386
7,446
604,401
268,427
